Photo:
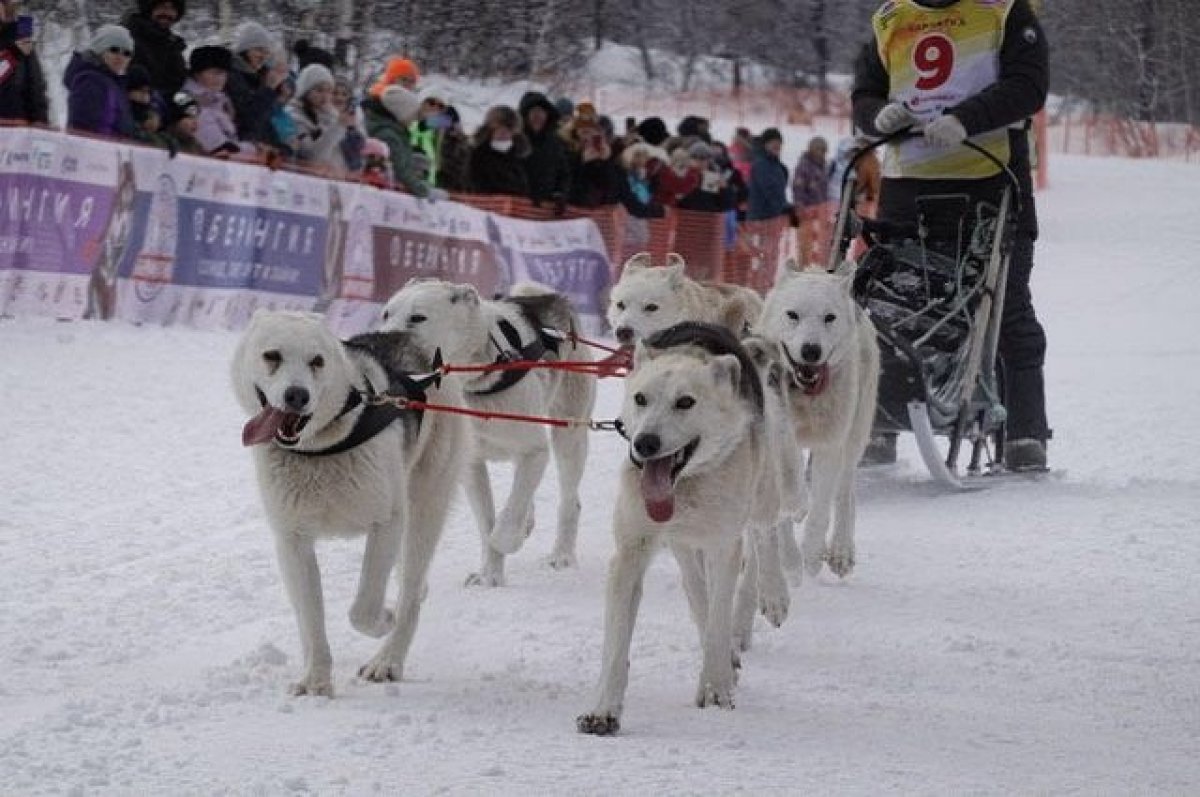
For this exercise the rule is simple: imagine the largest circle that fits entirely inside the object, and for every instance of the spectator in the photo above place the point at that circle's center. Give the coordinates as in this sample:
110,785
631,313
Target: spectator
768,179
96,100
713,194
653,131
388,116
498,154
145,106
377,164
580,129
425,133
641,162
215,128
22,82
180,121
253,84
157,48
546,168
565,107
597,178
349,118
741,153
680,178
810,184
284,133
454,155
319,127
737,183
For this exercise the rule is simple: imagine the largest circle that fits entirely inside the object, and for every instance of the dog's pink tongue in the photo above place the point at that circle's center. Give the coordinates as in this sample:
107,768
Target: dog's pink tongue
657,490
262,427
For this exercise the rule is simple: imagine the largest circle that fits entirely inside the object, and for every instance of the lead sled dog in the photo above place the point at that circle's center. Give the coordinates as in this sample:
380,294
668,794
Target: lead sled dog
698,457
533,323
332,464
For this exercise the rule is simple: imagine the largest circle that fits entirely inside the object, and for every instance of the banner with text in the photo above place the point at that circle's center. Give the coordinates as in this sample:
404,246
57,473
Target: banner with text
95,229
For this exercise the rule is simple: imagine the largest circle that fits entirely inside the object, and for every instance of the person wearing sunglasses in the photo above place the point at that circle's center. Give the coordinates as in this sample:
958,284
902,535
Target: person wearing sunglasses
156,46
96,98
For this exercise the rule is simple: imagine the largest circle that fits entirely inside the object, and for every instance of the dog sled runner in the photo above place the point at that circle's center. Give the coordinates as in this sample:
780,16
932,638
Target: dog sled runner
935,291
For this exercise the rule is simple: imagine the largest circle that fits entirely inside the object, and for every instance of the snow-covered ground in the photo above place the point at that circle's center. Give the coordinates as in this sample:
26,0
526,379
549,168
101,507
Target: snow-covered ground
1037,637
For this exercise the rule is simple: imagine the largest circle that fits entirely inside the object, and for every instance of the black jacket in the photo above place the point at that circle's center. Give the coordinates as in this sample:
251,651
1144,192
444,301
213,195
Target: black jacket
22,83
1018,94
493,172
160,51
253,103
547,168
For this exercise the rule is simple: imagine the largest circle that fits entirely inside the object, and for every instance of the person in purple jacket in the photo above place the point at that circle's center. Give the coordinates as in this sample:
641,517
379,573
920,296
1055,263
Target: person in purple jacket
95,81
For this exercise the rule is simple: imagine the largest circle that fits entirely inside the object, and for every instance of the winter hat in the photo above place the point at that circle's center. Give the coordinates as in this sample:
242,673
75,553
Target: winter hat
146,7
770,134
108,36
564,106
396,69
209,57
308,53
137,77
182,104
400,103
312,76
251,35
700,151
653,130
376,148
24,27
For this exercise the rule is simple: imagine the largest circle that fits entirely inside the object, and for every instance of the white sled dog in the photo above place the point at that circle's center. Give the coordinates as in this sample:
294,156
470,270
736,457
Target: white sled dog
648,298
827,346
533,323
693,412
332,463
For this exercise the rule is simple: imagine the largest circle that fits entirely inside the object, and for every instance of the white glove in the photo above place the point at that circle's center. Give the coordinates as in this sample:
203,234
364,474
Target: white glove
945,131
894,116
437,195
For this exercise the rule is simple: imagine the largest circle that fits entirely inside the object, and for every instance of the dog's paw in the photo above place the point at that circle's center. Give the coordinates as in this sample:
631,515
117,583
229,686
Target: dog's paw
381,670
378,623
743,639
561,560
713,693
814,555
841,558
598,724
312,686
485,579
774,605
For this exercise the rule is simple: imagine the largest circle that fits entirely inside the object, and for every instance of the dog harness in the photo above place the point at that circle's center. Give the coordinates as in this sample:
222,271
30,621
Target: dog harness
546,340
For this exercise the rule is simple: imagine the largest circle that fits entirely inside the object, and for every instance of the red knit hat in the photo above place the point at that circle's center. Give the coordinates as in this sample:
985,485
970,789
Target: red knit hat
396,69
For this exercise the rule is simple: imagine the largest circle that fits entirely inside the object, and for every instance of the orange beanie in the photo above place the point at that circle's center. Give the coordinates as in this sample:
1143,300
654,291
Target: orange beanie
396,68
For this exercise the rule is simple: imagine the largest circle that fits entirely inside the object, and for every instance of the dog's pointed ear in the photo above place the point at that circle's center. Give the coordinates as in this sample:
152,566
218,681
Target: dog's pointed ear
844,268
638,262
791,267
676,267
727,369
465,294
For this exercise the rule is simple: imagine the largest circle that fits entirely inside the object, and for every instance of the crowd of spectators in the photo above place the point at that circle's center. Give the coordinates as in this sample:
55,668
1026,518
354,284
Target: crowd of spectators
254,101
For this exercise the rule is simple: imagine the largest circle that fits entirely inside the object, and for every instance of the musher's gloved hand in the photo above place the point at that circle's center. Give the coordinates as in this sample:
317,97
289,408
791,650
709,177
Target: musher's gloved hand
894,116
945,131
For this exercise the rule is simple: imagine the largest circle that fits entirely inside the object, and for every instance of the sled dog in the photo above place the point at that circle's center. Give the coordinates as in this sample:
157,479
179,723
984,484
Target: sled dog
533,323
647,299
826,345
332,463
693,413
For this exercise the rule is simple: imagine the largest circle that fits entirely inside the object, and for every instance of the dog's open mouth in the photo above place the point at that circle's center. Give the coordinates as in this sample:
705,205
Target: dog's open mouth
658,481
811,378
274,424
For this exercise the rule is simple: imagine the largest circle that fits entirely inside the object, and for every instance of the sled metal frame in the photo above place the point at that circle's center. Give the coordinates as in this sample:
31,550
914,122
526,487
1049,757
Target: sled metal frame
973,411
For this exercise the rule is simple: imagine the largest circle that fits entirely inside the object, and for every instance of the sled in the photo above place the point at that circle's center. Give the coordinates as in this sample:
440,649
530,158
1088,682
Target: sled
935,292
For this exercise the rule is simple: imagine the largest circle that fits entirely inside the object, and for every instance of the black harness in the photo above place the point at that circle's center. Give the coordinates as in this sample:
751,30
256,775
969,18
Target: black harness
545,341
380,413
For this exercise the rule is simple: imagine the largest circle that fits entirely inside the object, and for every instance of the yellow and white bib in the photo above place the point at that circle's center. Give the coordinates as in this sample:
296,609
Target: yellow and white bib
936,58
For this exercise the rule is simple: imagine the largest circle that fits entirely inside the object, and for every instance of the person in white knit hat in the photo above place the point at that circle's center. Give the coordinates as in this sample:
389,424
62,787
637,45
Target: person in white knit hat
254,83
96,99
319,129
